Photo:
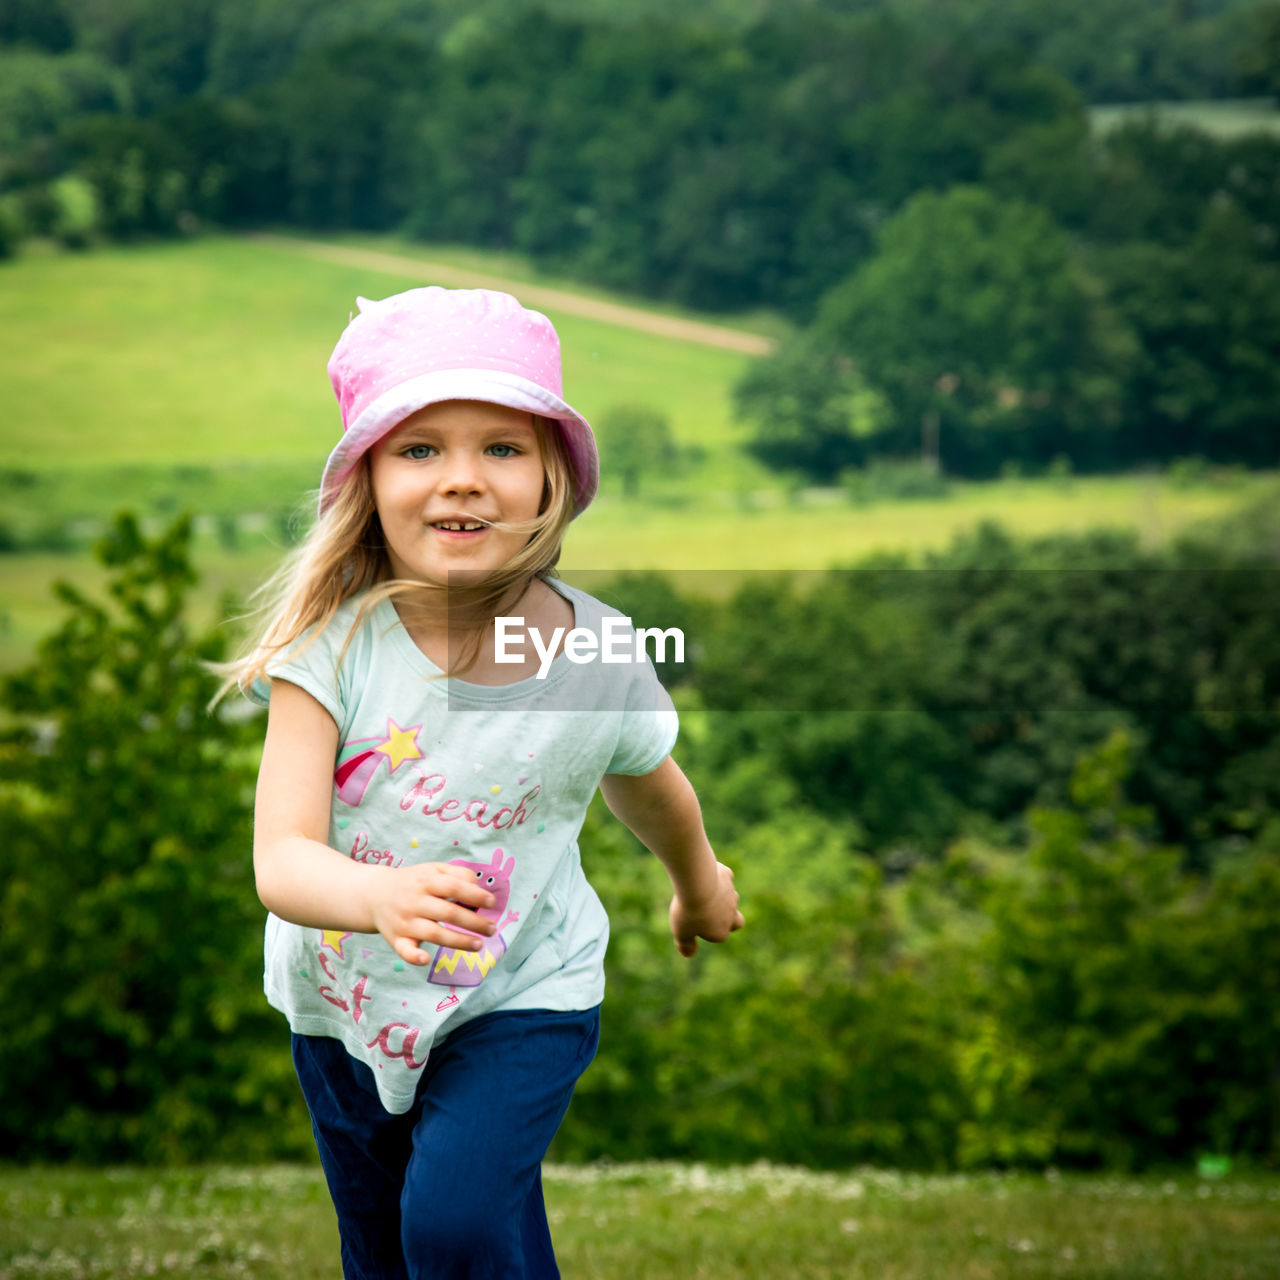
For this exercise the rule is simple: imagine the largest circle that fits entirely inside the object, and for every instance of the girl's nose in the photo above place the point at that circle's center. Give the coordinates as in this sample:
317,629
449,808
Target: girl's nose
461,474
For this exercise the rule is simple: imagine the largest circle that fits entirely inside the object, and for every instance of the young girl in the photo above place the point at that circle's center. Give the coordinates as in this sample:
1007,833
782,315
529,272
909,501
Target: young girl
432,940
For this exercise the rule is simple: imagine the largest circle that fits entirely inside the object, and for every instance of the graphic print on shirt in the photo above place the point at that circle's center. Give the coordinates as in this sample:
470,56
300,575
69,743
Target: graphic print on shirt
360,759
395,1040
452,968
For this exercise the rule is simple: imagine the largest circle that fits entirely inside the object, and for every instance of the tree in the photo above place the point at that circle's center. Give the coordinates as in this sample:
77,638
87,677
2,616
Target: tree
1078,996
75,211
347,112
164,47
38,24
40,93
1051,165
1134,993
1261,58
926,699
635,439
131,929
810,410
1154,180
1207,317
135,171
974,312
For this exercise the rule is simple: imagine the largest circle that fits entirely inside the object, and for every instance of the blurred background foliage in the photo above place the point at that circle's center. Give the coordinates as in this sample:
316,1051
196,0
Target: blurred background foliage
893,175
1007,830
1006,820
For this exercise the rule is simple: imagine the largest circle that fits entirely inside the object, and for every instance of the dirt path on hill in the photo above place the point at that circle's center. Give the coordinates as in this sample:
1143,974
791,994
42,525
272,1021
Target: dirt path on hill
708,335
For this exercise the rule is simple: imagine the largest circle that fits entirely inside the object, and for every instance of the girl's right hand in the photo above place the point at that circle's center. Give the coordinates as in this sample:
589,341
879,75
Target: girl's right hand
413,905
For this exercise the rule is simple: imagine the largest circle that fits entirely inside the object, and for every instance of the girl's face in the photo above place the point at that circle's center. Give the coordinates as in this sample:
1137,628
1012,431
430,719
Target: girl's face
441,473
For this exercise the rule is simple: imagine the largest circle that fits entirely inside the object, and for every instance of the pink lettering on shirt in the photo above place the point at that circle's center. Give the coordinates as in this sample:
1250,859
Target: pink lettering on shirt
407,1041
358,995
362,851
430,785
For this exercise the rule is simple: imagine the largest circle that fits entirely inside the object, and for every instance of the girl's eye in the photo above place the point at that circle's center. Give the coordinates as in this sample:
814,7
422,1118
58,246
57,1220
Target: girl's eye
418,451
503,450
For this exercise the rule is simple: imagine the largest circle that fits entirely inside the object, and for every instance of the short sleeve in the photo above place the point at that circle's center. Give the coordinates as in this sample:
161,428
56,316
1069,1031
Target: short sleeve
648,725
312,664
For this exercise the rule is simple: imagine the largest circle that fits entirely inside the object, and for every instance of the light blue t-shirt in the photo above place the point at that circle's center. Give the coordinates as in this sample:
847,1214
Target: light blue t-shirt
495,778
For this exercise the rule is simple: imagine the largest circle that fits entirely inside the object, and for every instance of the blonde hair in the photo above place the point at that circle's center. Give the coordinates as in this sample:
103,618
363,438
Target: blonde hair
345,555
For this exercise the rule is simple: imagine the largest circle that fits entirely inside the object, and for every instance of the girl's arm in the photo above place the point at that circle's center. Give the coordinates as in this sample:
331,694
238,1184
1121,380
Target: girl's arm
663,812
300,878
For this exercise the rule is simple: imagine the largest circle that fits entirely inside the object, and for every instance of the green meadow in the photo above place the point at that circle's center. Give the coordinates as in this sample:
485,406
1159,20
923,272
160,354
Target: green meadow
1225,118
190,377
662,1221
214,351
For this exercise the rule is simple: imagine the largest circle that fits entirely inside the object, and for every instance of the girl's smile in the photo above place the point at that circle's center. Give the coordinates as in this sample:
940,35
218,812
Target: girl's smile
445,477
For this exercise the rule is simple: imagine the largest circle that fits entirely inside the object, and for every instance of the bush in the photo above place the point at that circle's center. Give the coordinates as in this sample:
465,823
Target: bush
1127,994
126,896
635,440
1082,998
76,214
1186,473
925,700
893,480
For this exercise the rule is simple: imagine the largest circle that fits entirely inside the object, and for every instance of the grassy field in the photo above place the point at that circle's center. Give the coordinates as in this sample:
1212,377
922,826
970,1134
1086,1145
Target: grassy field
1229,118
190,376
213,351
672,1222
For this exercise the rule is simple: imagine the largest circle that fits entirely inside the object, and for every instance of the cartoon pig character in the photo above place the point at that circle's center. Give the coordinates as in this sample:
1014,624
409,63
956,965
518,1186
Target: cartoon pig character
452,968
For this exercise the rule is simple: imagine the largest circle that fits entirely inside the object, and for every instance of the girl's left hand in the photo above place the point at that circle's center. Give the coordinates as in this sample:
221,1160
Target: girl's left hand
713,918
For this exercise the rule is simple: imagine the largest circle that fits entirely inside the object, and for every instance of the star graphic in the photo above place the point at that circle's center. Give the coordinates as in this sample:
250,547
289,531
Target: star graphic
333,939
401,744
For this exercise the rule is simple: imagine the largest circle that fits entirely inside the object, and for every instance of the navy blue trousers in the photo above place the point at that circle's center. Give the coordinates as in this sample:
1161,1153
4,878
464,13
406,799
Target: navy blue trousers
452,1189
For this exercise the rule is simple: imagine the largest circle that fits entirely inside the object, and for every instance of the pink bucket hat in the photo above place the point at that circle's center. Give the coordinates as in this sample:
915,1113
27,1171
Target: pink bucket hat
432,344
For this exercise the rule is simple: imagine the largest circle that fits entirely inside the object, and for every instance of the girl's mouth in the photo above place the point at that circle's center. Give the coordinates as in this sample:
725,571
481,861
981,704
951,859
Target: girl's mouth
459,526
